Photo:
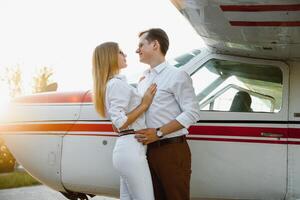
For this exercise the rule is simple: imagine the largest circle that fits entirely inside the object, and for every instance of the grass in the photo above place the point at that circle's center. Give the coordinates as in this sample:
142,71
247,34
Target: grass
16,179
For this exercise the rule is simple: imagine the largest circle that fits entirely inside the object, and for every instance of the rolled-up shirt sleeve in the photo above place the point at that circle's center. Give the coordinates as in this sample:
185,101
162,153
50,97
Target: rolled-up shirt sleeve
118,97
185,96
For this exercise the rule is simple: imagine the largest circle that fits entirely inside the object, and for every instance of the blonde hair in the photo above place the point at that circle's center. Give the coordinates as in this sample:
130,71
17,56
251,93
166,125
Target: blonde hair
105,66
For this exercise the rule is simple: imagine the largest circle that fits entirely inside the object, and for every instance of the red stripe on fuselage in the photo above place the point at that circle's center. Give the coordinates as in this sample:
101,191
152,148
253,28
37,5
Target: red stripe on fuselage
93,127
294,133
35,127
260,8
235,131
195,131
57,127
266,23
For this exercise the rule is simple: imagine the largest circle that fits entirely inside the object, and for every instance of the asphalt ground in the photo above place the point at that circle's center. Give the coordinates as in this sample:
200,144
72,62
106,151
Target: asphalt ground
40,192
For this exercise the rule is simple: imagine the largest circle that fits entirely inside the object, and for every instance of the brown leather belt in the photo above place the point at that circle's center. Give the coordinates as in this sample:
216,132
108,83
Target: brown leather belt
179,139
126,132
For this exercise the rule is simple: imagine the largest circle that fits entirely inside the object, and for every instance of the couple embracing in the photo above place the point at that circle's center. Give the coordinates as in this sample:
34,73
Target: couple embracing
151,154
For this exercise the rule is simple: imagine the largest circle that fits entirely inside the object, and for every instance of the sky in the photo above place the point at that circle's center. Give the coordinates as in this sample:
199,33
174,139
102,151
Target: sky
62,34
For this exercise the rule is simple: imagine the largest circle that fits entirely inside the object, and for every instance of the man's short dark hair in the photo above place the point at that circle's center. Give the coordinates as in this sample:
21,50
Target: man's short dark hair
159,35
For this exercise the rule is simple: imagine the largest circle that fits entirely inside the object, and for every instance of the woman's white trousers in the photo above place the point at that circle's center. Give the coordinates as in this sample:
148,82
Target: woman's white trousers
129,159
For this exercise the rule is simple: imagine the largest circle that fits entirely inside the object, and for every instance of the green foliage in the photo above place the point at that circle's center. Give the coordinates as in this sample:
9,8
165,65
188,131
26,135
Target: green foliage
7,161
16,179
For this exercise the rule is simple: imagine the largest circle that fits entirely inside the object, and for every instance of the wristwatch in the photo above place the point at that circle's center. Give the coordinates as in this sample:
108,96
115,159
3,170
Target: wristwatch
159,134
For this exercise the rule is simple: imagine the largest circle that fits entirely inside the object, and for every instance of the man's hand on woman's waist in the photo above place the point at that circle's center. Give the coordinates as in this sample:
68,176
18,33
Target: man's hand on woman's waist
146,136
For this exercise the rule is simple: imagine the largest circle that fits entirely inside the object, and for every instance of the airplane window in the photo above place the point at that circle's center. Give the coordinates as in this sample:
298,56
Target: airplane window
202,83
185,58
232,86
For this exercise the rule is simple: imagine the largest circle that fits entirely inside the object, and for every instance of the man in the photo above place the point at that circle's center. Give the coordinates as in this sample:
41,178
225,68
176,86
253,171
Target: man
172,111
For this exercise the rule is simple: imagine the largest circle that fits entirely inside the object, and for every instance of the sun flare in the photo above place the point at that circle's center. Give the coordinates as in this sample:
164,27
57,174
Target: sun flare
4,100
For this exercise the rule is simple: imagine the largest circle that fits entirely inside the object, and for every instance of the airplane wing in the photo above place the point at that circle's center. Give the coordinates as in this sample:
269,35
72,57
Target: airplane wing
267,29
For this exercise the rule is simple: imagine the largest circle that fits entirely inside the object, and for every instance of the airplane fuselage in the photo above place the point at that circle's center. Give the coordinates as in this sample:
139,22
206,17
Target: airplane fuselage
60,139
239,151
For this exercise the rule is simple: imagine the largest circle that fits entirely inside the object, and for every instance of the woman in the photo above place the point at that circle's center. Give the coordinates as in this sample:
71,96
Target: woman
116,99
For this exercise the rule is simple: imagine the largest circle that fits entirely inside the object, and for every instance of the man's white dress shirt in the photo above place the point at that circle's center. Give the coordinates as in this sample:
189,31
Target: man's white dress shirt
175,98
120,99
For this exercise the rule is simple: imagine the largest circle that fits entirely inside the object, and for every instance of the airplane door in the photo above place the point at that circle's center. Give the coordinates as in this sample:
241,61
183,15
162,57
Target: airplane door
294,133
239,147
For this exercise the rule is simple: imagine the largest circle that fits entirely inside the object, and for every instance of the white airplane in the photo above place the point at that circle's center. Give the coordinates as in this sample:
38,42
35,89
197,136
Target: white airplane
247,143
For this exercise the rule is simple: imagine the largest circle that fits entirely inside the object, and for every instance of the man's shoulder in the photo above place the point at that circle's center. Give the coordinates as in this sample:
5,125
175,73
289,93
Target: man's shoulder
174,71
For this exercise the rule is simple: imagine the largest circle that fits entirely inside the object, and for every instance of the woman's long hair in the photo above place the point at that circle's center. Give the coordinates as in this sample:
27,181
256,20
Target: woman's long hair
105,66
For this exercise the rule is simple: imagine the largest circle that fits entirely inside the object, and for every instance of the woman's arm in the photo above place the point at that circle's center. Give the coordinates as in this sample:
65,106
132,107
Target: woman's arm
140,109
118,96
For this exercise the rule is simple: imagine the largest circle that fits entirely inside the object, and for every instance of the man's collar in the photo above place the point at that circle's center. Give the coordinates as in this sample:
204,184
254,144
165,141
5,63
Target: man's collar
157,69
160,67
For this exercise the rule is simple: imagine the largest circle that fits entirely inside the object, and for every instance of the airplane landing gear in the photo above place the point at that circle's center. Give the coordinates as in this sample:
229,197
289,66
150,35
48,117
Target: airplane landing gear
77,195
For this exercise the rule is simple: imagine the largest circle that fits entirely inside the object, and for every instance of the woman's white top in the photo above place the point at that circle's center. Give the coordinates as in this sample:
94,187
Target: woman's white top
120,99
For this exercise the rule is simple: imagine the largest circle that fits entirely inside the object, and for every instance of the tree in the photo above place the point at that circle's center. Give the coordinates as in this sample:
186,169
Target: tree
14,80
42,82
7,161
